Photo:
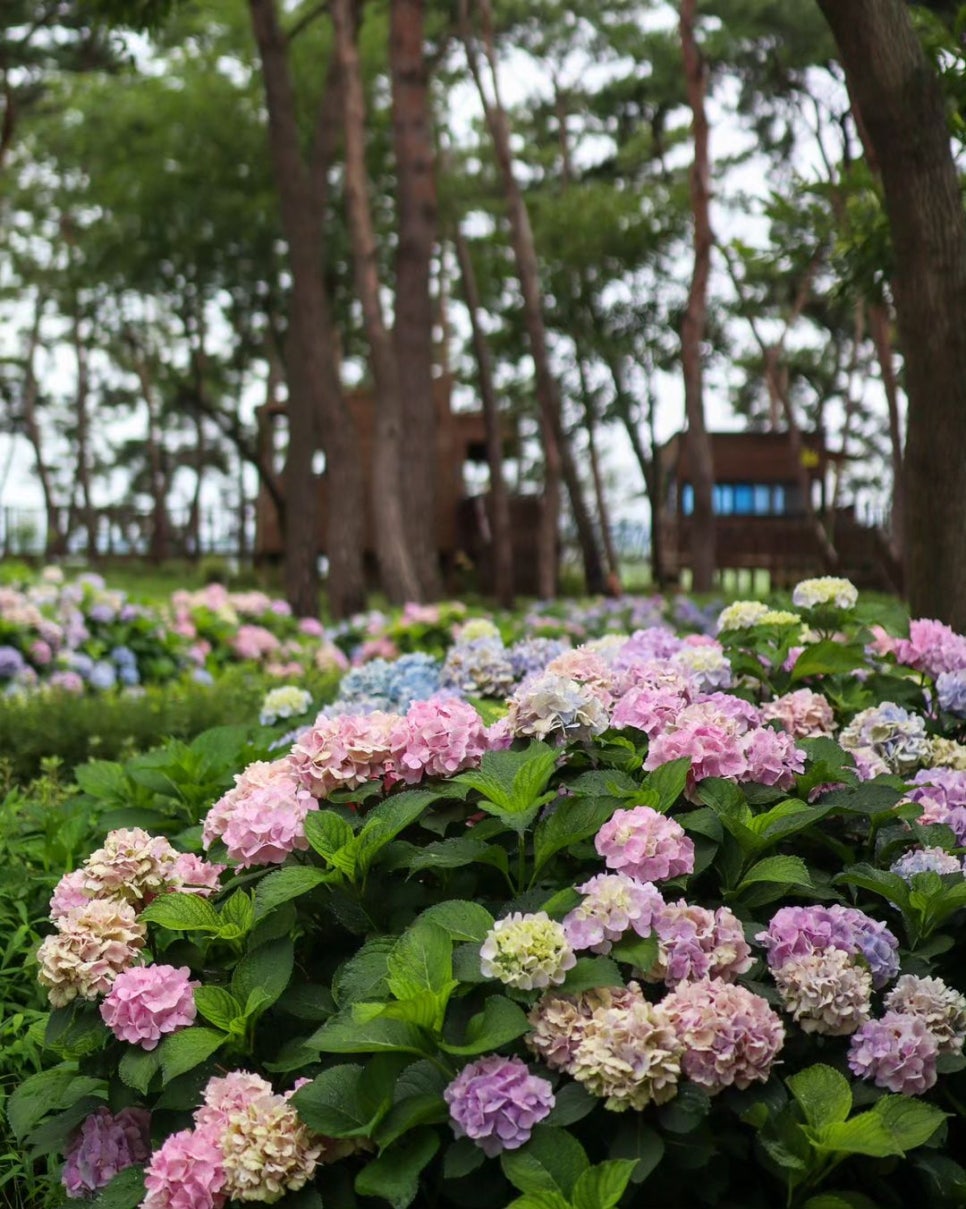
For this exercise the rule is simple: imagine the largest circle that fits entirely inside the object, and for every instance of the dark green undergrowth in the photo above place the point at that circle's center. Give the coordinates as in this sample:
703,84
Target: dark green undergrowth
34,727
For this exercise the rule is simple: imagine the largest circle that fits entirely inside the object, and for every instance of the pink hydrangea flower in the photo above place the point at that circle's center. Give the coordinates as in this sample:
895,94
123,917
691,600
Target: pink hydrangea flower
645,845
262,819
68,894
190,874
348,751
103,1146
647,709
695,943
254,642
613,902
772,758
445,735
803,714
92,945
148,1002
931,647
730,1036
132,865
187,1172
897,1052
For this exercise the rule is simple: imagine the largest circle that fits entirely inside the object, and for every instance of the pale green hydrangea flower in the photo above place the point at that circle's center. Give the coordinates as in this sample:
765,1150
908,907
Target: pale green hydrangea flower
527,951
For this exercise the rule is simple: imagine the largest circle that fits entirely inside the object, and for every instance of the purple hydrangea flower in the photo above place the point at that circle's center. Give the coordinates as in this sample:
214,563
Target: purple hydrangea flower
897,1052
800,931
951,690
11,662
103,1146
496,1102
926,860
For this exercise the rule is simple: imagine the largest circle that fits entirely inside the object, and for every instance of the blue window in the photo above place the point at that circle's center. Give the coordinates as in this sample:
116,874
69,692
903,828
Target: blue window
687,500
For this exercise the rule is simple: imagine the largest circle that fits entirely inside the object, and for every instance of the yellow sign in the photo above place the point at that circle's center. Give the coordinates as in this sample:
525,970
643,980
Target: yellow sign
810,458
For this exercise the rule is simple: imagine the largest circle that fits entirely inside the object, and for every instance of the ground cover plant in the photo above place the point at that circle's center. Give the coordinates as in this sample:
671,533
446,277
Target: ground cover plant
680,922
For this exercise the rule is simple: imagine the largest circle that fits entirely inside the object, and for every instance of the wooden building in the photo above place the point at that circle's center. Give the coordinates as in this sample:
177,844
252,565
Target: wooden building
463,529
760,513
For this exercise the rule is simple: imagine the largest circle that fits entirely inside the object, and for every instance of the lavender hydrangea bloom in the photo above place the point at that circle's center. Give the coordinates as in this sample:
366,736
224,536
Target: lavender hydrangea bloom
479,668
877,945
951,690
926,860
892,733
800,931
103,1146
103,675
532,655
11,662
496,1102
897,1052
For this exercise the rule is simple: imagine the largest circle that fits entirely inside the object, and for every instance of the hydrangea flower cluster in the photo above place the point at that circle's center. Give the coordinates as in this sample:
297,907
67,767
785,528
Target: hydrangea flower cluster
645,844
695,942
613,903
248,1144
527,951
496,1102
103,1146
91,946
890,734
479,668
931,647
800,931
262,818
706,665
387,687
556,706
531,655
926,860
288,701
145,1003
723,737
897,1052
825,591
825,992
803,714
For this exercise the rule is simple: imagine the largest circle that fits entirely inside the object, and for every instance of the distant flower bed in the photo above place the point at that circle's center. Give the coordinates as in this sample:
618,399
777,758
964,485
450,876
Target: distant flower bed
657,917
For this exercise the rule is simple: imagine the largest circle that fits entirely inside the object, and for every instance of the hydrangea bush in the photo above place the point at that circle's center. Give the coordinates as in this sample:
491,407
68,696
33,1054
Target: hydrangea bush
668,931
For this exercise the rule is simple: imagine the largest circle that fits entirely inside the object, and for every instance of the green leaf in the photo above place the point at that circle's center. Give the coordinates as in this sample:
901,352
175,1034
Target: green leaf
285,884
343,1034
182,913
865,1134
889,886
591,972
394,1175
218,1006
387,820
238,912
138,1067
103,779
458,851
638,951
910,1122
185,1050
421,960
643,1145
500,1022
125,1191
573,820
840,1200
782,870
49,1091
823,1095
462,1157
552,1161
512,782
267,969
540,1200
828,658
687,1110
572,1102
76,1030
668,781
332,837
602,1186
333,1103
365,975
463,920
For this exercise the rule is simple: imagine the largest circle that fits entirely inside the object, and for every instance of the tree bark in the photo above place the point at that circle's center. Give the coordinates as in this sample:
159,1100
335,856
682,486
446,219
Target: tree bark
903,112
316,403
154,446
700,460
397,569
880,329
600,495
557,449
502,543
417,211
83,458
30,394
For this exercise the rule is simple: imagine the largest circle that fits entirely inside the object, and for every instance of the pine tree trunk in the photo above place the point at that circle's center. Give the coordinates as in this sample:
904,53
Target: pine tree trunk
160,544
397,568
316,406
700,460
413,323
32,430
502,544
600,495
557,449
83,459
904,115
880,329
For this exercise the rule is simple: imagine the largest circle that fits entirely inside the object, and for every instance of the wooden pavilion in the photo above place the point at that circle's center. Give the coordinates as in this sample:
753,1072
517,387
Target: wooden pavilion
761,521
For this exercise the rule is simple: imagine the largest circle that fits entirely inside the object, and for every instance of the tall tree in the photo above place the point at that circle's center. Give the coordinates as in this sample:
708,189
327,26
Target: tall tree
416,222
899,97
557,447
316,406
694,321
397,567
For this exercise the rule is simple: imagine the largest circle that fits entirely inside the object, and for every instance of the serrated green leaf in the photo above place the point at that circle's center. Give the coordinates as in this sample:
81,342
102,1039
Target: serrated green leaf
218,1006
138,1067
125,1191
285,884
910,1122
343,1034
602,1186
420,960
267,969
49,1091
394,1175
500,1022
573,820
463,920
823,1094
183,1051
552,1161
182,913
591,972
668,781
782,870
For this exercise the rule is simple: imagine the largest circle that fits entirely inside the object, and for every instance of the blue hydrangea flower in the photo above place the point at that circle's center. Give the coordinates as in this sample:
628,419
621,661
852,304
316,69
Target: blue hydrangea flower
951,689
12,662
